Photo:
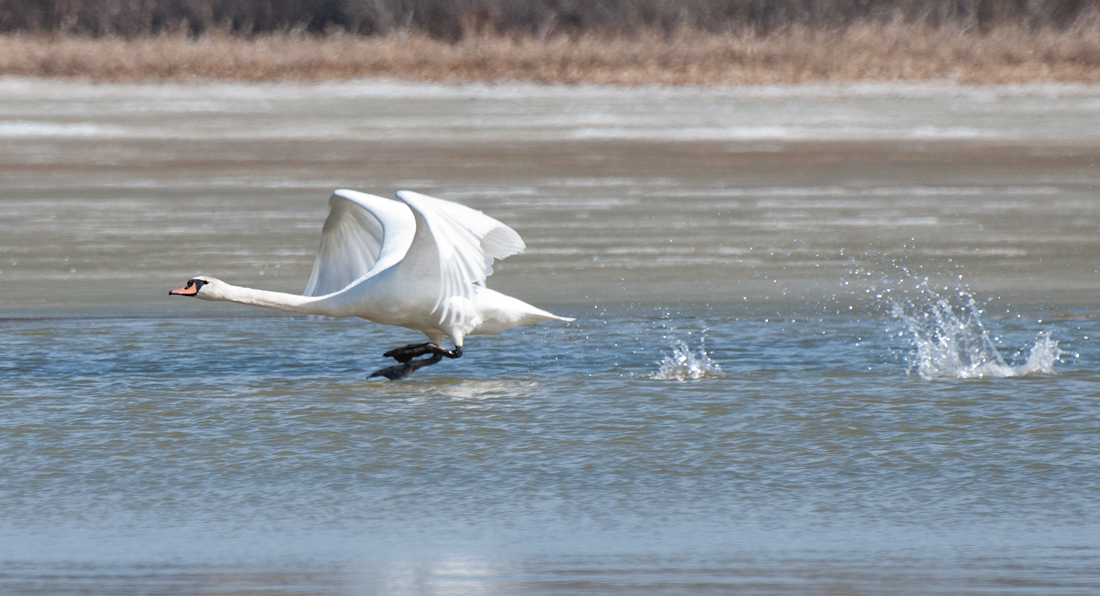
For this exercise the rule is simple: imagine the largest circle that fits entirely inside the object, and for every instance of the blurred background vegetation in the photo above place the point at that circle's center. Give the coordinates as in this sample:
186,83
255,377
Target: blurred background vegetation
456,19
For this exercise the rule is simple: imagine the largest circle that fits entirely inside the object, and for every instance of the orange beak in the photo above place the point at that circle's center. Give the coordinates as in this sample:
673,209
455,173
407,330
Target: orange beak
188,290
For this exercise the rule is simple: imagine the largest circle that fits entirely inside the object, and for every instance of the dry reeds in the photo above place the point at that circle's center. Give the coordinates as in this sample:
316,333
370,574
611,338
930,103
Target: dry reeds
568,41
453,19
893,51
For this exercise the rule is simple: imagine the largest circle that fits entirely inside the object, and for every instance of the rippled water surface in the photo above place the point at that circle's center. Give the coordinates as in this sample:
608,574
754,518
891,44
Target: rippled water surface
829,340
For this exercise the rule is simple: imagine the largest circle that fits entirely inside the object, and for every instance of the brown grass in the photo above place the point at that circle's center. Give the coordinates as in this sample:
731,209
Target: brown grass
862,52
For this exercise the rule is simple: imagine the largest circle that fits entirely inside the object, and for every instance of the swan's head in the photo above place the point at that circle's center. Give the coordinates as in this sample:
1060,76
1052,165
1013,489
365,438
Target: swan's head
207,288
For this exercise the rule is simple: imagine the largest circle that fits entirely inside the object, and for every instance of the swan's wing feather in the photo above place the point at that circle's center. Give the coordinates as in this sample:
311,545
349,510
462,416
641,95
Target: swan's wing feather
362,235
464,243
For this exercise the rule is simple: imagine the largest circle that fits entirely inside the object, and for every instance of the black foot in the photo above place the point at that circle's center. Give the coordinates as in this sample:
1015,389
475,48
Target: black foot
408,366
406,353
400,371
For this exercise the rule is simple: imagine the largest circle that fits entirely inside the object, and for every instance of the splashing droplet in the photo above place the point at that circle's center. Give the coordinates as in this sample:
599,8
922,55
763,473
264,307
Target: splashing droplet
685,365
951,341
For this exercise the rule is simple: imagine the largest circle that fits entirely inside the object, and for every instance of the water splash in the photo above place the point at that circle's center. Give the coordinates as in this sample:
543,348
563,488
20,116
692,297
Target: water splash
686,365
950,339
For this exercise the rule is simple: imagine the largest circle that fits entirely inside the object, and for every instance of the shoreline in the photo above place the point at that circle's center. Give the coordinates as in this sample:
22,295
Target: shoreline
394,87
892,53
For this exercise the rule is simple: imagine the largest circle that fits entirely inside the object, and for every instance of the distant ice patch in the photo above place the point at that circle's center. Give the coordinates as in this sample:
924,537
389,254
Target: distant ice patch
25,128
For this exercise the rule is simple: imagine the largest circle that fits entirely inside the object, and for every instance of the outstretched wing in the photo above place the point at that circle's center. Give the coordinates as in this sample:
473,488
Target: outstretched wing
362,235
463,240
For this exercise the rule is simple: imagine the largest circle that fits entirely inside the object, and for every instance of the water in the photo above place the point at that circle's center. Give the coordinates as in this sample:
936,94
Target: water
829,340
947,333
685,364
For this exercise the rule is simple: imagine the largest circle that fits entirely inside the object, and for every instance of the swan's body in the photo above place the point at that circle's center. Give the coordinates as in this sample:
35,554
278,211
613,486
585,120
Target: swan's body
420,263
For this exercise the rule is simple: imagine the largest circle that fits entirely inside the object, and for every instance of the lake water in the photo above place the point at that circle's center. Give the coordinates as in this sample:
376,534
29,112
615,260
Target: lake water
836,339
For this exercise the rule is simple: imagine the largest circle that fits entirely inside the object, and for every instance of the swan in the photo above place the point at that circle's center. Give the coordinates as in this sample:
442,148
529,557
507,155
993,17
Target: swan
418,263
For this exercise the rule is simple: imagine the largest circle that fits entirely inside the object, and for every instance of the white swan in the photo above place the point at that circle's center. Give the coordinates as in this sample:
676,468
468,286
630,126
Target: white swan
420,263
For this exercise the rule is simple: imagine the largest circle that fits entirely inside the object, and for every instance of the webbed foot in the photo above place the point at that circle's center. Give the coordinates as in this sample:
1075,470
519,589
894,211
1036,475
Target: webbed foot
407,353
400,371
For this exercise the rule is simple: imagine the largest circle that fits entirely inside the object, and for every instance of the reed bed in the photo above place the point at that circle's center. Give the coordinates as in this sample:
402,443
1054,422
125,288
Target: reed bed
859,52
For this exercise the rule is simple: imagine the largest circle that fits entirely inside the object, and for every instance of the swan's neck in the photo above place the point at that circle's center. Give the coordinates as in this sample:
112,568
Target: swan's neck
309,305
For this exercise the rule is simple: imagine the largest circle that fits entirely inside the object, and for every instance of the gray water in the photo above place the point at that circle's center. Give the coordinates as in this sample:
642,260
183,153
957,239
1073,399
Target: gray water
835,339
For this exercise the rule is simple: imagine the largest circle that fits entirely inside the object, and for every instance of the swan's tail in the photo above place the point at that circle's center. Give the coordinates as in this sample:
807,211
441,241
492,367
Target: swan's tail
549,316
499,312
